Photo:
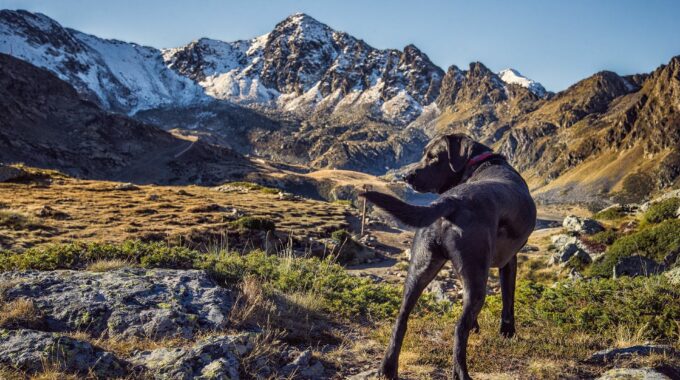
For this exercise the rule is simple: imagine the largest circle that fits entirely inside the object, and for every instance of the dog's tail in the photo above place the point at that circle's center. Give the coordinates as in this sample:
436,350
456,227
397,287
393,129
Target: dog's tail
411,215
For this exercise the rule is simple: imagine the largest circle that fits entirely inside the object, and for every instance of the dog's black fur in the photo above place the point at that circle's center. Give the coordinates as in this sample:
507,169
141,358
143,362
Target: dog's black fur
482,218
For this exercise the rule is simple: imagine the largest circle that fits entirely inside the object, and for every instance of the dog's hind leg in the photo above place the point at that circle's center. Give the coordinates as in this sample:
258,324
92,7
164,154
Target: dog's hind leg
424,266
508,275
474,283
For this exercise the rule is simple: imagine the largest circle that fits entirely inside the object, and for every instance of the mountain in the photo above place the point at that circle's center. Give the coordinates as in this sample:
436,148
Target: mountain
45,123
304,66
606,138
605,135
310,95
512,76
119,76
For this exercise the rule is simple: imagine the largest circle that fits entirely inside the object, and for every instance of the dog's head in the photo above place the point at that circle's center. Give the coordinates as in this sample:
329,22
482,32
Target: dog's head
443,163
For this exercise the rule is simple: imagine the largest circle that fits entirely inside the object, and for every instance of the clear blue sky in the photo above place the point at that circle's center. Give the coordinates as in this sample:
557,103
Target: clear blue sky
554,42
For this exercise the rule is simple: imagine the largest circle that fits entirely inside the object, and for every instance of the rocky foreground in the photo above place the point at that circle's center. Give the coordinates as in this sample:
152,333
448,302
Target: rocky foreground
160,304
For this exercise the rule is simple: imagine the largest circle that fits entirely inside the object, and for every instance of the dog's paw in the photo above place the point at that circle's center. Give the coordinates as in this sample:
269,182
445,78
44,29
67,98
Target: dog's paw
507,330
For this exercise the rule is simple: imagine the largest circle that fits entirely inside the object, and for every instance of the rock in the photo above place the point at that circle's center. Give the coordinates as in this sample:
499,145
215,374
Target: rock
569,250
126,187
215,357
612,354
559,241
438,290
153,197
633,374
582,225
32,351
529,248
636,266
126,302
300,367
9,173
283,196
677,213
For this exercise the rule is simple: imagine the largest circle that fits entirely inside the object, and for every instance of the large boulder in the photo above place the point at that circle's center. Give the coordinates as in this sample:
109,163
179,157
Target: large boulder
34,351
579,225
636,266
126,302
215,357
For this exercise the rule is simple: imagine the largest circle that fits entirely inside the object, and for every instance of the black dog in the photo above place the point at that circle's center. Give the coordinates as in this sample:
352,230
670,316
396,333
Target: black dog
482,218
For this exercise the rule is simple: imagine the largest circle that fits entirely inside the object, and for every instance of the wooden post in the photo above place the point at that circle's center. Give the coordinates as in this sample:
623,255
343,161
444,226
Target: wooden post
363,212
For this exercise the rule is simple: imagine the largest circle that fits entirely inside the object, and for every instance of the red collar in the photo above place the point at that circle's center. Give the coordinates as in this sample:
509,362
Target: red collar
479,158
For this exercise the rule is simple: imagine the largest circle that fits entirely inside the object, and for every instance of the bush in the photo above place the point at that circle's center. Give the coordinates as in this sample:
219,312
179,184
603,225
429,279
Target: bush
79,256
253,223
654,242
604,305
606,237
340,236
663,210
611,213
340,292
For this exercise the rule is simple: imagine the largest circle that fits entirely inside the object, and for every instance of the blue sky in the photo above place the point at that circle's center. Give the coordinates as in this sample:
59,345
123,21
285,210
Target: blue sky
554,42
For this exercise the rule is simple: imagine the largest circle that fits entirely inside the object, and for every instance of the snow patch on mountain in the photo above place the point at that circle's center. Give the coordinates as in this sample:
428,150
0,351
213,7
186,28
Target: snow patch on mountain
119,75
512,76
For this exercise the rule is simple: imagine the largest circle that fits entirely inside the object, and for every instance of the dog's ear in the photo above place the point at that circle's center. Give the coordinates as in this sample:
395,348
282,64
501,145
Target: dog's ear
458,146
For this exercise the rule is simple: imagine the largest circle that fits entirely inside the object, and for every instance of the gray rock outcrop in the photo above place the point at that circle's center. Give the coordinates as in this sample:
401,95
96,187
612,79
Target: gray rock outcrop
636,266
582,225
32,351
126,302
215,357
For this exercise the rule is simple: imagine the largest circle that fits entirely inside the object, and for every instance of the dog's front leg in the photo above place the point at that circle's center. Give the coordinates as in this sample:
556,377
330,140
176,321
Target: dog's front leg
423,268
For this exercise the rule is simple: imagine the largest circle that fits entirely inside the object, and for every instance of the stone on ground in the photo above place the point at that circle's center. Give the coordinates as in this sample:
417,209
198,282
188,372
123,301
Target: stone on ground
579,225
127,302
32,351
215,357
633,374
634,266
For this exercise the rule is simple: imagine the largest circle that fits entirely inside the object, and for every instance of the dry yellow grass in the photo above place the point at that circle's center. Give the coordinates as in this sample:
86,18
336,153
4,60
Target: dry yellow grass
96,211
21,312
107,265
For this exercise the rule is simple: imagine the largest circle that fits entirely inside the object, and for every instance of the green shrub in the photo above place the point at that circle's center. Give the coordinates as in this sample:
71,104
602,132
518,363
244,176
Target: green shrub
604,305
340,236
606,237
342,293
253,223
663,210
79,255
611,213
653,242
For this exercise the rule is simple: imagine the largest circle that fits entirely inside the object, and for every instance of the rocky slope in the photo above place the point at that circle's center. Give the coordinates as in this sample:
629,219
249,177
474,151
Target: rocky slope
43,122
606,134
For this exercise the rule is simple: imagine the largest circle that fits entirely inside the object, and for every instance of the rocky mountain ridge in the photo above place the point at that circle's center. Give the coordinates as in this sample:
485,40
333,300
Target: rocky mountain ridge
44,122
309,95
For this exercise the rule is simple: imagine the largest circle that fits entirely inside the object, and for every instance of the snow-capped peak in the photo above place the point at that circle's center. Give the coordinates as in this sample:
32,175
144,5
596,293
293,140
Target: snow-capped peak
512,76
